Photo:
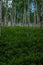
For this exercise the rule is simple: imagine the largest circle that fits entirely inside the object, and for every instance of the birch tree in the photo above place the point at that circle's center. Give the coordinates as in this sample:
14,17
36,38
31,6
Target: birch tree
6,13
24,14
28,12
37,3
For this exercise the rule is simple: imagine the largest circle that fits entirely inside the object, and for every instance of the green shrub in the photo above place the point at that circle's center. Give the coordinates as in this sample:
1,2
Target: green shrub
21,46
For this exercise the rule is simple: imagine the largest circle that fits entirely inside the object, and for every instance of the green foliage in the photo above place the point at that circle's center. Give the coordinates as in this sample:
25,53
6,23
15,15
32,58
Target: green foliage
21,46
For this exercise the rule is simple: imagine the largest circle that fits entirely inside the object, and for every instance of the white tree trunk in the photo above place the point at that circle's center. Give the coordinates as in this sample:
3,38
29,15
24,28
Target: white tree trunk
6,14
14,13
24,16
37,13
28,13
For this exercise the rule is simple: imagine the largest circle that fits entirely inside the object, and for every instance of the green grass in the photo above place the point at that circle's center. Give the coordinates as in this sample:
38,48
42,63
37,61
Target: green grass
21,46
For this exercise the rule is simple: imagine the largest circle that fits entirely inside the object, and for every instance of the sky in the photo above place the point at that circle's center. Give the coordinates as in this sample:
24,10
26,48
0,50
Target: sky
9,3
32,7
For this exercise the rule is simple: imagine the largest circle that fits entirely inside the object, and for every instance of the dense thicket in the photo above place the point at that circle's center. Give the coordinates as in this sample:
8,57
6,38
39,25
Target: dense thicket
21,46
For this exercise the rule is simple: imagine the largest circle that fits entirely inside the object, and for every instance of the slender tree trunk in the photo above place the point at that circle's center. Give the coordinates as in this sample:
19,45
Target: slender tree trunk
0,16
42,11
34,18
22,21
24,14
28,13
37,13
37,18
14,13
6,14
